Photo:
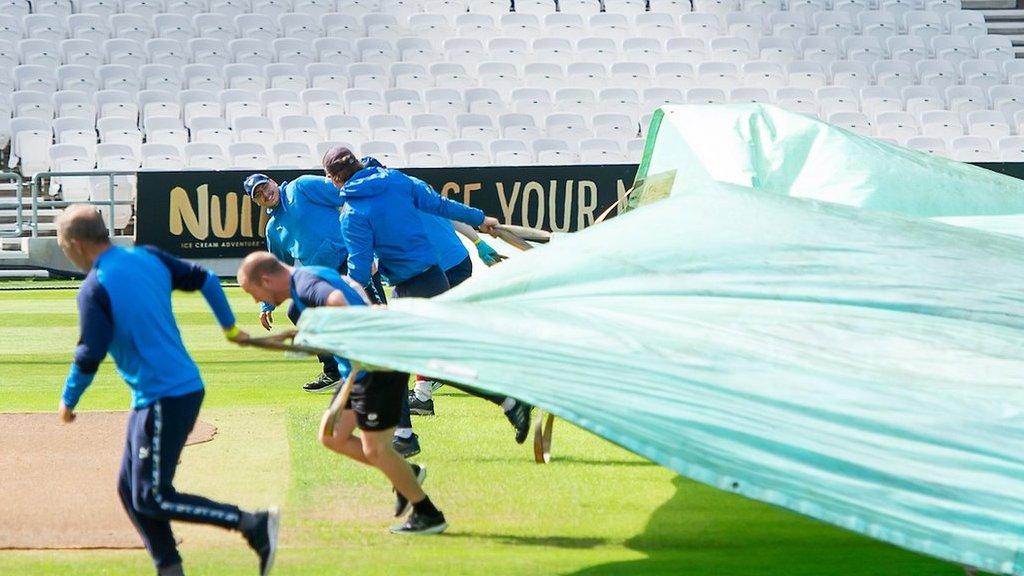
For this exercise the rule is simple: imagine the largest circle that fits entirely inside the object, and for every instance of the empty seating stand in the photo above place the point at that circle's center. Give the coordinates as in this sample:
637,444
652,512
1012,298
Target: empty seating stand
211,83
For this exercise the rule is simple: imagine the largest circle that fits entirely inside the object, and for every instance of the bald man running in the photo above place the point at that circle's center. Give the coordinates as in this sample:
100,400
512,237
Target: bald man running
375,404
124,308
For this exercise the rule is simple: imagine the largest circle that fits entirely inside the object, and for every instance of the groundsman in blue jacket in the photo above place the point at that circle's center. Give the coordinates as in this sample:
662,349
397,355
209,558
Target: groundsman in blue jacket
303,229
382,216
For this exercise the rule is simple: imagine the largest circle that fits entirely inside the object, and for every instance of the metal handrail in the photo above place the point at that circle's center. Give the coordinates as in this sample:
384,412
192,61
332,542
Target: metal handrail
37,182
19,219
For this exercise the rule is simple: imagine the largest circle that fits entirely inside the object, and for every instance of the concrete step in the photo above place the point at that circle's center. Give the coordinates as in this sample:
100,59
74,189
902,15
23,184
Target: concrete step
1007,28
1002,15
989,4
12,255
13,245
24,273
10,214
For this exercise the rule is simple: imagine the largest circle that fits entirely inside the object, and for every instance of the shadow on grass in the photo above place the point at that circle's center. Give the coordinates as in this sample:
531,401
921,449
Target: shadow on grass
597,462
700,531
546,541
558,460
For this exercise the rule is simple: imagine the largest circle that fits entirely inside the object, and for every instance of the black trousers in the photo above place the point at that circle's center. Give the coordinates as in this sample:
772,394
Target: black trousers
156,437
460,272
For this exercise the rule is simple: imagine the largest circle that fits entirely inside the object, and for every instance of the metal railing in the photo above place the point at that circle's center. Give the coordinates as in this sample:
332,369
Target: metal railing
112,202
19,218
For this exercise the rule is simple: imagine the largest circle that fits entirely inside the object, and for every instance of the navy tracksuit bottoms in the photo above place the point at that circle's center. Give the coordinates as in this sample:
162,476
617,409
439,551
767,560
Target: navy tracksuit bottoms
156,437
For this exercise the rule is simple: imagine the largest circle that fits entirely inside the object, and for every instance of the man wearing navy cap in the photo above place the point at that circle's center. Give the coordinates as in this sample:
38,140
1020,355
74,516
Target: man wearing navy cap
303,227
304,230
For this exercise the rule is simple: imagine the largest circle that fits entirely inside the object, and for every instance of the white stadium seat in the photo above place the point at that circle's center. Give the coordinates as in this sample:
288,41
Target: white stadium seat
929,144
972,149
941,124
204,156
247,155
30,141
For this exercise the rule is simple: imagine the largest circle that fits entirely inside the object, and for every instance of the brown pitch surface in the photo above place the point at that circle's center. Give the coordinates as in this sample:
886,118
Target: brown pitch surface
58,483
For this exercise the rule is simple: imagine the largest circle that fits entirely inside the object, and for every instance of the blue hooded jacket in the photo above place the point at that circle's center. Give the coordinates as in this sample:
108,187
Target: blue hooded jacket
381,216
303,227
450,250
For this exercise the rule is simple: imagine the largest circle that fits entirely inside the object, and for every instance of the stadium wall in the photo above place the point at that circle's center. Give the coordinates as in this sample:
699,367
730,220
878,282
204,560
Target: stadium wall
205,215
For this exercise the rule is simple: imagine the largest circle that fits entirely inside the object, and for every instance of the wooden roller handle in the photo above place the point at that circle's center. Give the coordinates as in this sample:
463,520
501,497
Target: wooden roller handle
542,437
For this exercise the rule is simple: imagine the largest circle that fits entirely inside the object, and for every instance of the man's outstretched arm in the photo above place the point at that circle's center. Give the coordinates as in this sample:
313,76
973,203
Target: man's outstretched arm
489,255
96,331
426,200
189,277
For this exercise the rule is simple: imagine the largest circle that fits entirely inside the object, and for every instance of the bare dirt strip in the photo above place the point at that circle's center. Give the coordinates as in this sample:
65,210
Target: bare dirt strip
58,483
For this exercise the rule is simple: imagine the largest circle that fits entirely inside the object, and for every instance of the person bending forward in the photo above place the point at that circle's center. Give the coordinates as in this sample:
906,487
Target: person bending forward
375,404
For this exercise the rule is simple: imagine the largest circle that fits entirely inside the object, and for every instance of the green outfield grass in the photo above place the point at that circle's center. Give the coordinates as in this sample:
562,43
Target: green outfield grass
596,509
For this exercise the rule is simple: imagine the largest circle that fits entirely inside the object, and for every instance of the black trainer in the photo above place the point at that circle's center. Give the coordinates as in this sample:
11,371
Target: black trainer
263,538
402,503
407,447
420,407
421,524
519,416
323,383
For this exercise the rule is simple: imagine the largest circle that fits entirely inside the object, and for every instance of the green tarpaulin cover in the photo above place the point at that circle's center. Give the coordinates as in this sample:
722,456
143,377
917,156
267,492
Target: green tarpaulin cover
857,366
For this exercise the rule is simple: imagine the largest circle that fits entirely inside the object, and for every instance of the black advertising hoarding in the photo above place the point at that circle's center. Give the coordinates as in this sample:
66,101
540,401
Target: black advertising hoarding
200,214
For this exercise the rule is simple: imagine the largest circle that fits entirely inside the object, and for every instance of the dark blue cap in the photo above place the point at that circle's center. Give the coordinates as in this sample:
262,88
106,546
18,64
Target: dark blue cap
253,181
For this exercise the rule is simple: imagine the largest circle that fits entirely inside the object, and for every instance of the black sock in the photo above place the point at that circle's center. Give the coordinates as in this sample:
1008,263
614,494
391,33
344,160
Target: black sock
425,506
175,570
247,521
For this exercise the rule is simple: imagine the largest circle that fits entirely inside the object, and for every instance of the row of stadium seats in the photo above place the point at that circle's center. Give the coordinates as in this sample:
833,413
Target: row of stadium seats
33,136
894,124
436,127
364,109
506,76
404,8
41,64
425,153
662,24
924,110
232,8
764,82
282,155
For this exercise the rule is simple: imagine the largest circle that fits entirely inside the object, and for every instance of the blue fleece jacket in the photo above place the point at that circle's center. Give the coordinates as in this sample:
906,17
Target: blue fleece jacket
450,250
310,287
303,227
381,215
124,307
